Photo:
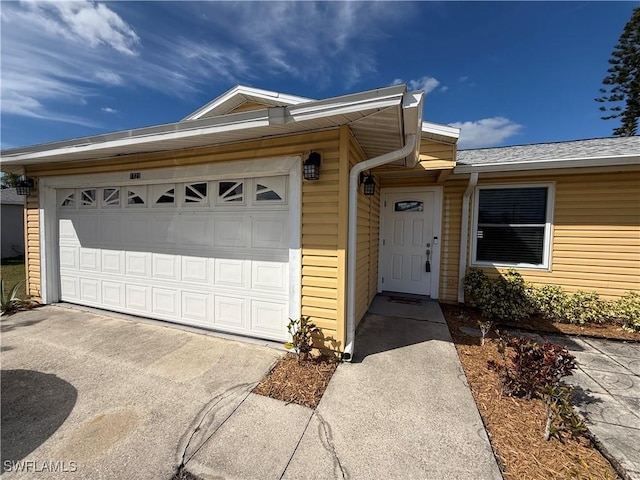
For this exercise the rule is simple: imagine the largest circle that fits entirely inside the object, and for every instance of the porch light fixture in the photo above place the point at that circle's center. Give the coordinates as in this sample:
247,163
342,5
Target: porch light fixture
369,184
311,166
24,186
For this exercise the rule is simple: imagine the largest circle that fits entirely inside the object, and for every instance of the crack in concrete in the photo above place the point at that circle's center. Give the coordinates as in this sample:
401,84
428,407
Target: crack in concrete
296,447
204,414
328,437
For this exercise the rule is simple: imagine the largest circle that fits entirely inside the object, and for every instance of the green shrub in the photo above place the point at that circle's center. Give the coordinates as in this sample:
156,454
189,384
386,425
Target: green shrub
301,331
585,307
550,301
503,298
626,310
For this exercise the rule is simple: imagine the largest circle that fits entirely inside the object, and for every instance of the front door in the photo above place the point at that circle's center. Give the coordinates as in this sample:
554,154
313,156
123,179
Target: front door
407,254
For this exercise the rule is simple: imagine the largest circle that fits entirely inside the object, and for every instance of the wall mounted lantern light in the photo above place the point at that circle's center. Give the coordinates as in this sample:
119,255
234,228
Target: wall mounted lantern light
311,166
24,186
369,184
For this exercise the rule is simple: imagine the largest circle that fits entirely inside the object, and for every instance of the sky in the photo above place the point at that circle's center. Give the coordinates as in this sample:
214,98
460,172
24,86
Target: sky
506,73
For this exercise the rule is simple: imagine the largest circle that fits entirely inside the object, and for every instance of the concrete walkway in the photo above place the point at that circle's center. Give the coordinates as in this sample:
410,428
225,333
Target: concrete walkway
607,387
402,409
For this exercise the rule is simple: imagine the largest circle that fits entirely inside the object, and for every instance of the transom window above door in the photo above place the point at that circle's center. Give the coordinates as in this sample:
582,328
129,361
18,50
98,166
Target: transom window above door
408,206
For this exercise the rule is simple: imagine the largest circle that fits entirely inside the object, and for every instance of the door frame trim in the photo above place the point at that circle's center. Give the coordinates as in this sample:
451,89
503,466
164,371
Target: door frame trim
269,166
437,231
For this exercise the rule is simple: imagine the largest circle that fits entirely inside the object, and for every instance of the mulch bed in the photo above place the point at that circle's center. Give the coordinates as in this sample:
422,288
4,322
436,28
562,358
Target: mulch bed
516,426
298,382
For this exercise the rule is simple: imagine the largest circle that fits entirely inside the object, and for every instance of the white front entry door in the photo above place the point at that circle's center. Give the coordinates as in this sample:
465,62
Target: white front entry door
407,253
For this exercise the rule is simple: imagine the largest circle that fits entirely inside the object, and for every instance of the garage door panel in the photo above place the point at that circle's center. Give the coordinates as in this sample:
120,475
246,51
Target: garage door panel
195,306
112,261
230,273
90,290
230,231
269,231
196,229
230,312
69,287
165,267
137,297
218,261
270,276
67,232
113,294
89,259
268,317
110,229
69,257
166,301
136,230
196,269
138,264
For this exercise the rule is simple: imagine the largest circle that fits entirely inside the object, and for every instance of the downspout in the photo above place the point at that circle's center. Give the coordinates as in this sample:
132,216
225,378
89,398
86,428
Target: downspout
464,234
352,233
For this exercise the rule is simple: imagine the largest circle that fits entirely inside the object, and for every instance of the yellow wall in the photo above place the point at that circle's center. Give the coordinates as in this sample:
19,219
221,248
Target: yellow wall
322,259
596,232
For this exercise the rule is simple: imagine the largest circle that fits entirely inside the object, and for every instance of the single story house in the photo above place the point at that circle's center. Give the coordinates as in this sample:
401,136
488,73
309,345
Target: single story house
262,206
12,226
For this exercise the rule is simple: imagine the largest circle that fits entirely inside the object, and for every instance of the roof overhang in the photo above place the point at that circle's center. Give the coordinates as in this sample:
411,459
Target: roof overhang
240,94
578,162
390,111
440,133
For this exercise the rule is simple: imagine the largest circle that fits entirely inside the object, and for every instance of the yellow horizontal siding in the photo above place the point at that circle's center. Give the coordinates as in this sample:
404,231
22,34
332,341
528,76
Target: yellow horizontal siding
596,233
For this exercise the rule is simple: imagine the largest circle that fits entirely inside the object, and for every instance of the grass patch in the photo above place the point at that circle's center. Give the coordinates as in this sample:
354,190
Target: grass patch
12,274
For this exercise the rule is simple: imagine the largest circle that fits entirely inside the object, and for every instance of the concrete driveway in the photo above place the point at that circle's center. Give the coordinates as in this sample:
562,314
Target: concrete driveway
106,397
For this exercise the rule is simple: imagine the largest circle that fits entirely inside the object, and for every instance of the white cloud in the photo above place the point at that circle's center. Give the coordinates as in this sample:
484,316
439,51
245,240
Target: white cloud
463,78
428,84
109,110
58,55
487,132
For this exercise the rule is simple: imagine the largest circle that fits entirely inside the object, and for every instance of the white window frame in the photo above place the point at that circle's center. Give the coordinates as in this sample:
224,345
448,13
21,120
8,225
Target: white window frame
548,226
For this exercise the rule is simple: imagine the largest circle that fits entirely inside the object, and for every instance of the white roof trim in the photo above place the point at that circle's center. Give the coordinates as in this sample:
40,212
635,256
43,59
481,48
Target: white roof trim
235,121
438,129
333,107
241,91
607,161
370,100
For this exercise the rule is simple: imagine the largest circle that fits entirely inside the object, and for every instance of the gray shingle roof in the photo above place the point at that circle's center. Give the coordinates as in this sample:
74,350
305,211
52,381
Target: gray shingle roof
596,147
8,196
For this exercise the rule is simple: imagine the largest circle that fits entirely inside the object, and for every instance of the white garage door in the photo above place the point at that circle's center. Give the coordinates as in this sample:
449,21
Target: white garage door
209,253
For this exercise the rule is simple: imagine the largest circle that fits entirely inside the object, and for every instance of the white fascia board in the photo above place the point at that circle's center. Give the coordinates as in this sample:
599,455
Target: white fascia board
371,100
241,90
412,108
172,131
605,161
443,130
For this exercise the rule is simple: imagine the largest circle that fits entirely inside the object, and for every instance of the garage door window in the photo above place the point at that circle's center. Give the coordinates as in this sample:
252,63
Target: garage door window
68,198
196,193
111,197
164,195
270,190
136,196
232,191
512,225
88,198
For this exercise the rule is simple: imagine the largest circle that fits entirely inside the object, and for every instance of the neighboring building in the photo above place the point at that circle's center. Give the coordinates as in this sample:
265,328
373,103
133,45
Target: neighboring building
12,227
209,222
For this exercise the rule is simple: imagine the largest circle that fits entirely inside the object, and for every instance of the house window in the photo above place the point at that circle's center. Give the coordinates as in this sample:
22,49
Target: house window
231,191
512,225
